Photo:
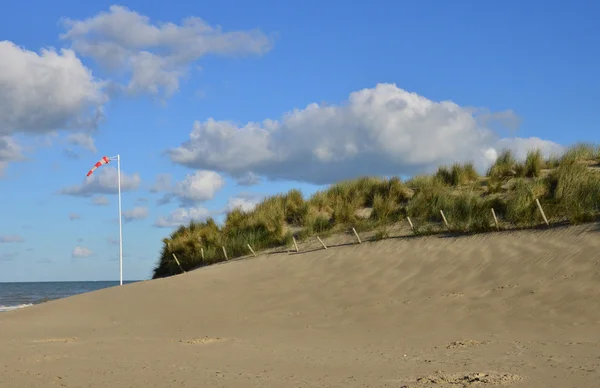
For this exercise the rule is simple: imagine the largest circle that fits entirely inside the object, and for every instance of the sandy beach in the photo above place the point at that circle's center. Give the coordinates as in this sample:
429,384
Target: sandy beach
519,309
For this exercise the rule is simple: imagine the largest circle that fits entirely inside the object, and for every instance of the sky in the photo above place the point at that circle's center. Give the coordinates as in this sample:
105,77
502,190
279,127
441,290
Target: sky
213,105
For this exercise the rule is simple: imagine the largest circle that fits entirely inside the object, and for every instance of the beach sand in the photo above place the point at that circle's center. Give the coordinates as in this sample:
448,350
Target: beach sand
515,308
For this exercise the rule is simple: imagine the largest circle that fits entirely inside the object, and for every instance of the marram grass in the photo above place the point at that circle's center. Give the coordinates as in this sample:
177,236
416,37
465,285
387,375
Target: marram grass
567,187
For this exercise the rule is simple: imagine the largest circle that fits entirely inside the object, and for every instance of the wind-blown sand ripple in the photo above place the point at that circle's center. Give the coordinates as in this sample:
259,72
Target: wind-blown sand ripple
519,309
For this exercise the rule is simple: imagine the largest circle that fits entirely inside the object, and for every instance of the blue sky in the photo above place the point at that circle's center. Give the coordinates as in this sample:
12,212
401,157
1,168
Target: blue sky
280,96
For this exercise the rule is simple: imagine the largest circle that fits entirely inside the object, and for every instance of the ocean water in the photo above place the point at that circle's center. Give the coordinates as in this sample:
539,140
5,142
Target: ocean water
20,295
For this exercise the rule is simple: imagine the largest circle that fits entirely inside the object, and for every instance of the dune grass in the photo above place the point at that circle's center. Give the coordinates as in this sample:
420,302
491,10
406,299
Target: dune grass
568,187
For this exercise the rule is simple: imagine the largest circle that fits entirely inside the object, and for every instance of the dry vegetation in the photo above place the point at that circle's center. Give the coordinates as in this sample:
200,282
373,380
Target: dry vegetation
568,189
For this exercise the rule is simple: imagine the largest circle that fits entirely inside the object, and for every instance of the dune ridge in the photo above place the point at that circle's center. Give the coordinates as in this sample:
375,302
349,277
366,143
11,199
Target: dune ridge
512,195
518,309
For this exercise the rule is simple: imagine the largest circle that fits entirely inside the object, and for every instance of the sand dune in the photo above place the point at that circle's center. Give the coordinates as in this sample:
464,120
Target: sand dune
514,309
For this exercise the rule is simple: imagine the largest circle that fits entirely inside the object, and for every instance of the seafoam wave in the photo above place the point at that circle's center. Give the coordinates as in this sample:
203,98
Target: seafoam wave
15,307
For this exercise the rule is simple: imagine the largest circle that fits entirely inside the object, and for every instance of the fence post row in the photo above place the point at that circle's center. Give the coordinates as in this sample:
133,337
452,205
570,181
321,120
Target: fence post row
412,227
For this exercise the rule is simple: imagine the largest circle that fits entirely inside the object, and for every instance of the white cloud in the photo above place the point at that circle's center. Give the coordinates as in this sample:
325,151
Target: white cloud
45,92
383,130
100,200
182,216
155,55
81,252
200,186
10,151
243,201
137,213
74,216
11,238
103,181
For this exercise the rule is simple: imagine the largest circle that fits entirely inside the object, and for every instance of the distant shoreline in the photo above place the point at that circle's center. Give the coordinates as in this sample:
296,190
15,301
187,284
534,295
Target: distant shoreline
19,295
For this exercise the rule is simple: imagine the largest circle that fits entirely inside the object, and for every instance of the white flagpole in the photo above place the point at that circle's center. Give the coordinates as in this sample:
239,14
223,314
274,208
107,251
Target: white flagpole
102,161
120,221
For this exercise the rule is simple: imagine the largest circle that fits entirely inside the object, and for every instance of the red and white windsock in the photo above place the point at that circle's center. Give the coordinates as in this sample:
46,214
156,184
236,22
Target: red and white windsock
101,162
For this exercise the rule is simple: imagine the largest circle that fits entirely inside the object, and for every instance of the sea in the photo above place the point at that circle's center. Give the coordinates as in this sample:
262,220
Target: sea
15,296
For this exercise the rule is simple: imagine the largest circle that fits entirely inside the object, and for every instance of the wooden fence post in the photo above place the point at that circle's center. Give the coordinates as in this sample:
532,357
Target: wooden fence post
322,243
225,253
411,224
495,219
295,244
539,205
201,248
357,236
178,263
251,250
445,220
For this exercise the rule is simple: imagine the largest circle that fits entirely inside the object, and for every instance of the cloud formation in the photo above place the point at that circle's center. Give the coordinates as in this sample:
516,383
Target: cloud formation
243,201
137,213
182,216
74,216
42,93
200,186
45,92
155,56
81,252
383,130
103,181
